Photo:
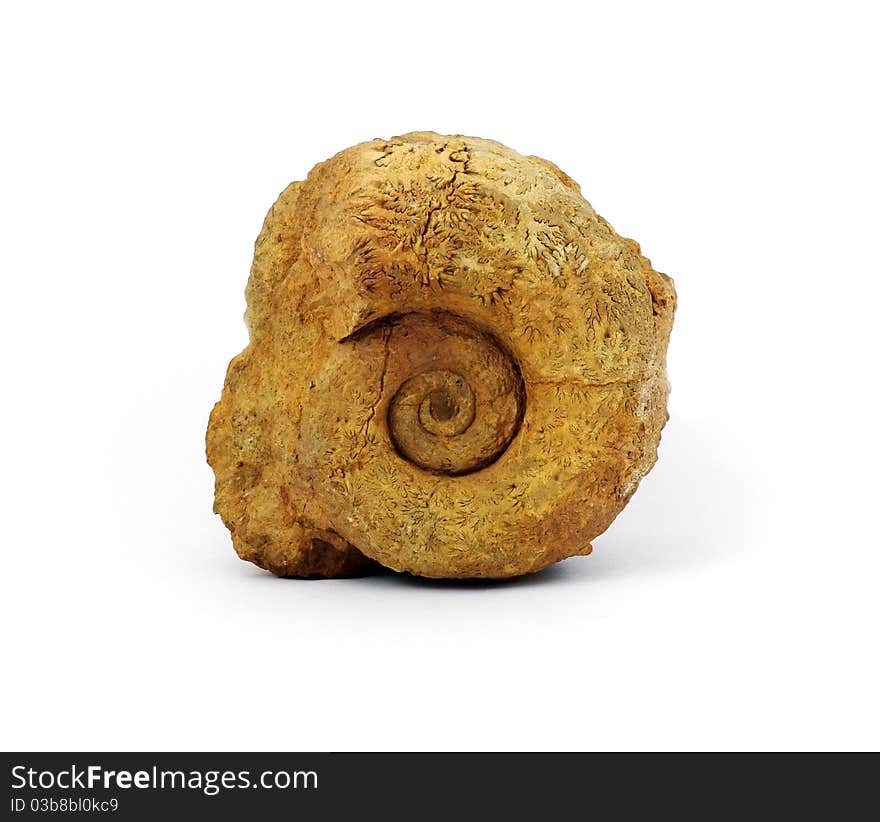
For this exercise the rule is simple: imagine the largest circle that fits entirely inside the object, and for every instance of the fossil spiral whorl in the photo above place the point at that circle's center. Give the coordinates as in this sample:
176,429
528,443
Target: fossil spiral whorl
461,399
456,368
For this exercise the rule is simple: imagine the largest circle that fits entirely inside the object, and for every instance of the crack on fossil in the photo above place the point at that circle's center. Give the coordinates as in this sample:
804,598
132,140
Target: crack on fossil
576,381
442,203
386,337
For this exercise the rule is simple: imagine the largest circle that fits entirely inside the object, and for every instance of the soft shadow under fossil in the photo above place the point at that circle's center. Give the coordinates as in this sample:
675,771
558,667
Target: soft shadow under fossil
389,578
702,503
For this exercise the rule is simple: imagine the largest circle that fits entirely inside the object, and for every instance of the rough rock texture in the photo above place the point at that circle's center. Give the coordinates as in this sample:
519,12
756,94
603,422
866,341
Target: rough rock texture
456,368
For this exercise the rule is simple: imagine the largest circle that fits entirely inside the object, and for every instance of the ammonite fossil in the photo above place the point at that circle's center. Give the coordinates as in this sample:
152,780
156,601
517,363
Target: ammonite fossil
456,368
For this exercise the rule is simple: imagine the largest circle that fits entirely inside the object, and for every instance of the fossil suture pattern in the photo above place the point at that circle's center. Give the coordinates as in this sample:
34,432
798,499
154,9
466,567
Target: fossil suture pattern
456,368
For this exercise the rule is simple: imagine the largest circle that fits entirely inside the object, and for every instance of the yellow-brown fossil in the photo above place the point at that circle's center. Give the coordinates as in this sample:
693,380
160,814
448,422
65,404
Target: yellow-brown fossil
456,368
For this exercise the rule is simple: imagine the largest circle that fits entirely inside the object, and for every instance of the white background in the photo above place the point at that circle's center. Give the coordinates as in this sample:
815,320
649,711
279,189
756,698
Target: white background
733,604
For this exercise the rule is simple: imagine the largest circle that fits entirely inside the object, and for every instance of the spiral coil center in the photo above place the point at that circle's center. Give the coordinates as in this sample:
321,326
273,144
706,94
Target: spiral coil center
460,398
441,407
448,405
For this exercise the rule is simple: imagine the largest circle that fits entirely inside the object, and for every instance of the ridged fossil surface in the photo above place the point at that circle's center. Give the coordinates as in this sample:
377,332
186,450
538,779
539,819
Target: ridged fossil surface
456,368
